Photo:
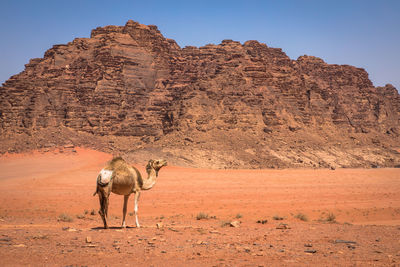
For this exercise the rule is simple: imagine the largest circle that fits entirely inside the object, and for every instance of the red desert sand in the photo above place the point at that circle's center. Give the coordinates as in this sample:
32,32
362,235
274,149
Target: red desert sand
197,217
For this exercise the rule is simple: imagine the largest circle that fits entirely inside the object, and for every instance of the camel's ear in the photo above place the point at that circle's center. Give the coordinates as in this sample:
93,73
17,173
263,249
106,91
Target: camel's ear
150,163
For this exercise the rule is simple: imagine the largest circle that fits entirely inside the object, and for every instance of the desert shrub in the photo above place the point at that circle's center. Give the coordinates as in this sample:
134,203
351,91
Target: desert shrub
277,218
80,216
331,217
301,216
39,236
92,212
202,216
238,216
65,218
225,223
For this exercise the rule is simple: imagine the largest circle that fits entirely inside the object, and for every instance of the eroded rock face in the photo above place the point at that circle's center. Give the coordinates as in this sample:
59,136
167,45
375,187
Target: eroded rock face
131,81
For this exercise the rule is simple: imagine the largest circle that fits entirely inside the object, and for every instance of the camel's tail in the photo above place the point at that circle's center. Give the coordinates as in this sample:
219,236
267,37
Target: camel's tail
103,179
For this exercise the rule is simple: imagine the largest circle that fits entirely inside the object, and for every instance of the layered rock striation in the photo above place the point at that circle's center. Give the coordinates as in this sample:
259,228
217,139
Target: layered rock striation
130,81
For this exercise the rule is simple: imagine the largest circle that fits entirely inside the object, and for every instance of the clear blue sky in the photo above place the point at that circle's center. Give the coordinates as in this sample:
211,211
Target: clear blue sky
363,33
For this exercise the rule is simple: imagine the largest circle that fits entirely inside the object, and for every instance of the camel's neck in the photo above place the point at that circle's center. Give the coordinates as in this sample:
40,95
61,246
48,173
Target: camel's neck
151,179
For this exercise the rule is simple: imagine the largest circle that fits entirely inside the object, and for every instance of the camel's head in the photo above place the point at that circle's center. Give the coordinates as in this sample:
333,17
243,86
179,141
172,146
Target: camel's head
156,164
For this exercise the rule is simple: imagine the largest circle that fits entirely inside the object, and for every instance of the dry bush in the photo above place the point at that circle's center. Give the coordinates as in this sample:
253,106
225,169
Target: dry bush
39,236
277,218
65,218
301,216
331,217
225,223
202,216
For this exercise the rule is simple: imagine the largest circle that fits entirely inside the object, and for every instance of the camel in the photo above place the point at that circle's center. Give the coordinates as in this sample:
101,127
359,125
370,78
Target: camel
121,179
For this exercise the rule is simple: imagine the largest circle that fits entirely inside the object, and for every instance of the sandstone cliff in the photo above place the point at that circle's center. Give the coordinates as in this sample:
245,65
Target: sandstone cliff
130,90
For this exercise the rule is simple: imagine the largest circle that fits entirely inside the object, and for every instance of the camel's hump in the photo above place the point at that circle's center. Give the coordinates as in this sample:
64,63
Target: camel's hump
117,159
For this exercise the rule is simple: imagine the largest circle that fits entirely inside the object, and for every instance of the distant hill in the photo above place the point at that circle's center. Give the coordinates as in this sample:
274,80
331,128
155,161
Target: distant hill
129,90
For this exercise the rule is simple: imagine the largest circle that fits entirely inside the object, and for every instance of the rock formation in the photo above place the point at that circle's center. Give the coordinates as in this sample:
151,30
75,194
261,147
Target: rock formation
227,105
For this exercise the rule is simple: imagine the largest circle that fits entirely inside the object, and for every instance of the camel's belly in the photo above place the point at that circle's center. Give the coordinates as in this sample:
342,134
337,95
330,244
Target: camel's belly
120,190
122,185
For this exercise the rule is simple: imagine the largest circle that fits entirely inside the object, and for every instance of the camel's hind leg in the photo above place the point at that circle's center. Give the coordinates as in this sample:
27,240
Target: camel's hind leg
124,210
103,199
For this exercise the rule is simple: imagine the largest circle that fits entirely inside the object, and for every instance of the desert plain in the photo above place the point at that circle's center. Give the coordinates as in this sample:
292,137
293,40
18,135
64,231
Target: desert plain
197,217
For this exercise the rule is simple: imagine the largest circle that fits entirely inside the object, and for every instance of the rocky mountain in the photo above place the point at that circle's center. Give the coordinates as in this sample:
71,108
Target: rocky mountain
129,90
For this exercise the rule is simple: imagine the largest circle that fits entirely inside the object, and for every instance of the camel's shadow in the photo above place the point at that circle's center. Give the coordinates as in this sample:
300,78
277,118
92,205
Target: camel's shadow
112,228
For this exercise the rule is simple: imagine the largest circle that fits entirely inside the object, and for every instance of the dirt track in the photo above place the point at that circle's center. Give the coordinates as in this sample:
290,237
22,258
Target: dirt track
37,188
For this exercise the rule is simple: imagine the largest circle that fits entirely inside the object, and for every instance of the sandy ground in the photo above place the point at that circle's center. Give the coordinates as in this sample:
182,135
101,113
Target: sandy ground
345,217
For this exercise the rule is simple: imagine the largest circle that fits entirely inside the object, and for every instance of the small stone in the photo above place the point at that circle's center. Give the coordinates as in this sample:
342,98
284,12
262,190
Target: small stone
235,224
159,225
163,251
308,245
339,241
69,146
48,145
20,246
89,246
283,226
88,239
312,251
246,249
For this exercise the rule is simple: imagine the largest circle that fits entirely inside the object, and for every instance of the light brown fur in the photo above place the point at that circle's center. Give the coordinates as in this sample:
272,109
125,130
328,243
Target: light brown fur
126,180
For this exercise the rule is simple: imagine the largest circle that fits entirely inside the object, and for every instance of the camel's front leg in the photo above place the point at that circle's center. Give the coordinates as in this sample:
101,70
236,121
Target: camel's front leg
137,195
124,210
